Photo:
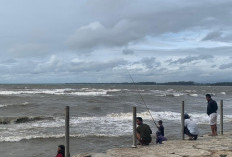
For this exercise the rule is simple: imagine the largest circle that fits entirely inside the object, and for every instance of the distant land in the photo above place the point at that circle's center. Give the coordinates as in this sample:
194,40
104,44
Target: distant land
186,83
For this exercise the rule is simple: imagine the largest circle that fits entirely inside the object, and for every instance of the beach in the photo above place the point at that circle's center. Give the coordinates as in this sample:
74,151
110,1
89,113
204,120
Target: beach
32,117
205,146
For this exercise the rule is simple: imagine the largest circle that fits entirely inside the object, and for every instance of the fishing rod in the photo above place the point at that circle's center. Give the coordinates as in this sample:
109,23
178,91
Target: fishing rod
142,98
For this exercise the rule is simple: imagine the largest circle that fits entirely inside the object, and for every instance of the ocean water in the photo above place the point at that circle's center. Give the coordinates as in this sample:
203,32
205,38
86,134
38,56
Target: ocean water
32,116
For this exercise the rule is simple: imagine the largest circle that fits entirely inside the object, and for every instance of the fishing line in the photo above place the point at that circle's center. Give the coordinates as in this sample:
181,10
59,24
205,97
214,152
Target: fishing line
141,97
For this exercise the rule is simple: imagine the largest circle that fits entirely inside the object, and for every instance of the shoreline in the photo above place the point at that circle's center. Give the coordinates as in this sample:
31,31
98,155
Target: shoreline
204,146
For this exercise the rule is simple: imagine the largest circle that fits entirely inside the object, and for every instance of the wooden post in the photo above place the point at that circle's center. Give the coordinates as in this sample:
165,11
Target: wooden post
134,128
67,154
221,117
182,120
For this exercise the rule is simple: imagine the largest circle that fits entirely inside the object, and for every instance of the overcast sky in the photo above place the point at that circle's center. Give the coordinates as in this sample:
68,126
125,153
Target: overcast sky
57,41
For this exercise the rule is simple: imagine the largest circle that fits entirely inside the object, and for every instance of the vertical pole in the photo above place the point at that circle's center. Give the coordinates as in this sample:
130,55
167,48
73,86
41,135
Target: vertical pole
134,128
182,120
221,117
67,154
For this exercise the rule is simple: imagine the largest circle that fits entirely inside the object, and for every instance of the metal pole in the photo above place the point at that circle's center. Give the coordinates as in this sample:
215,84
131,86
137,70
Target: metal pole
67,154
182,120
134,128
221,117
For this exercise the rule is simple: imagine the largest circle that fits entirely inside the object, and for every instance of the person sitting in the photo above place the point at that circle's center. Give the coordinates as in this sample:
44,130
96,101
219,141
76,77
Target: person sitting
190,128
61,151
160,138
143,132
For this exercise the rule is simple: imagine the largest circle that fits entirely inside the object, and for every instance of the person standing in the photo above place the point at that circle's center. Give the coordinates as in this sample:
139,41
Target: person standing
212,108
143,132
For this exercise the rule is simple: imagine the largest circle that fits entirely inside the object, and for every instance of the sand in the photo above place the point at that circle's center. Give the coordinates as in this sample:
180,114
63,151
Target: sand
205,146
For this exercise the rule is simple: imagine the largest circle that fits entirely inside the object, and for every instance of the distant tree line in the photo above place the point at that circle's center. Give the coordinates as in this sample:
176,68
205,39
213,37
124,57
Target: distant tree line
190,83
186,83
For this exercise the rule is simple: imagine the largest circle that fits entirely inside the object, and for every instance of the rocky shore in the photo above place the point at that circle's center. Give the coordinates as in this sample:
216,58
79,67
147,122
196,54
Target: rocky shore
205,146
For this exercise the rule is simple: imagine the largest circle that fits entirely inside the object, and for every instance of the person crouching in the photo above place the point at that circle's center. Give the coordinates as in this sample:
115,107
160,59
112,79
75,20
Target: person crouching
190,128
160,138
143,132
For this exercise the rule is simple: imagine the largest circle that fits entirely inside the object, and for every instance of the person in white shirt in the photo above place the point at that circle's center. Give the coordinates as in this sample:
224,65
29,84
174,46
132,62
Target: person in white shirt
190,127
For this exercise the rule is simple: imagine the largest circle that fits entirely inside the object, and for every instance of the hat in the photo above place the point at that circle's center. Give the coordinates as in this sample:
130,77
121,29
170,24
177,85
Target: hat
186,116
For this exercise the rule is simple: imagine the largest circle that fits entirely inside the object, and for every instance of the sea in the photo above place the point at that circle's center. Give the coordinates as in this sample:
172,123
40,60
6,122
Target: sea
32,116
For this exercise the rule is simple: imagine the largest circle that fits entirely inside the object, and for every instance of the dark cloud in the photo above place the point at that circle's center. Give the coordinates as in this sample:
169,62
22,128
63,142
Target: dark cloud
58,65
150,63
219,36
213,66
128,52
225,66
97,66
189,59
213,36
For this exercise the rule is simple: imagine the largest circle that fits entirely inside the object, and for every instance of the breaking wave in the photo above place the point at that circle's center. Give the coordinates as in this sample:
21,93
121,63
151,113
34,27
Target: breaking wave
174,93
15,120
8,105
49,136
66,91
110,125
3,105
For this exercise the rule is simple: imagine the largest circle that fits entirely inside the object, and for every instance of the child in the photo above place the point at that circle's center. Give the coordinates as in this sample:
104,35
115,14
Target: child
160,138
161,127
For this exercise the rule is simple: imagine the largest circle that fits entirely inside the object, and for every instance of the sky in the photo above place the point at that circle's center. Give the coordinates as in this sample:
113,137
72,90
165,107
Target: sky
105,41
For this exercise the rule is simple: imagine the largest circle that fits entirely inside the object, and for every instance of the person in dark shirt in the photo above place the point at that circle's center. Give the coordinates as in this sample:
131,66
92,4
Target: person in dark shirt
212,108
160,138
161,127
143,132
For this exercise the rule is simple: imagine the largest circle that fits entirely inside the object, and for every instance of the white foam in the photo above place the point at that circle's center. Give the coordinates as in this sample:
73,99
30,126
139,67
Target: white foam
114,124
190,91
174,93
170,90
89,93
168,93
6,105
3,105
25,103
44,136
66,91
193,95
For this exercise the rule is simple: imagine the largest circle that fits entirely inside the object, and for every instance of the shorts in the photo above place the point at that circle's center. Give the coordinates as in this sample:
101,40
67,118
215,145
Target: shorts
213,119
